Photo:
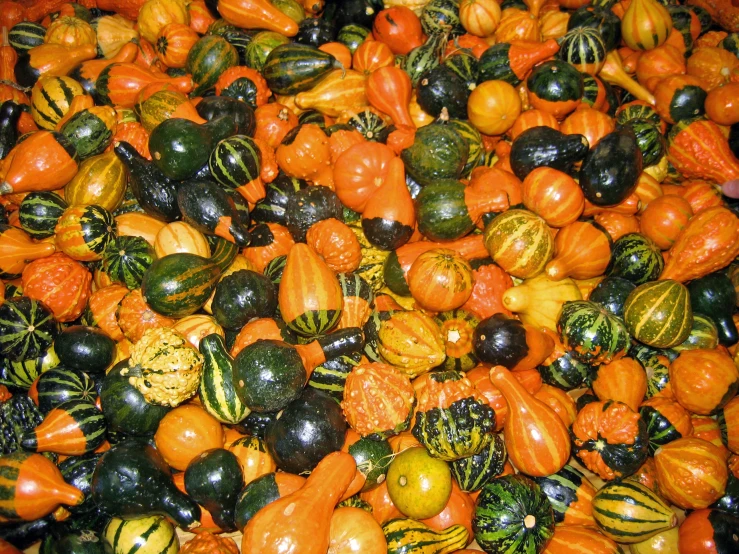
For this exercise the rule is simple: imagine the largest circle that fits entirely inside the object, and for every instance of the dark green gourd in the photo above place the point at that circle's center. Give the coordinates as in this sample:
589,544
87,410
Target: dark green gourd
714,296
214,480
212,210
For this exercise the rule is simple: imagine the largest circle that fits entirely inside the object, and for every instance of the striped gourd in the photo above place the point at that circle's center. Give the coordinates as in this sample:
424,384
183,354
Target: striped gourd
411,341
467,68
495,65
292,68
72,429
253,456
579,538
645,25
275,268
639,110
235,162
256,52
583,48
90,131
650,140
60,385
146,534
628,512
179,284
24,372
27,328
410,535
217,394
373,259
703,334
513,514
636,258
520,242
659,313
656,364
441,17
473,138
594,91
272,208
331,375
358,300
40,212
457,328
25,35
101,180
592,334
666,421
423,58
471,473
207,59
309,308
353,35
84,232
126,259
571,496
222,251
50,100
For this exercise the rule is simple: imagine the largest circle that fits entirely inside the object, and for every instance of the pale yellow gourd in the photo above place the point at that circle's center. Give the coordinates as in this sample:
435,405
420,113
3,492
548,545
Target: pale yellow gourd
538,301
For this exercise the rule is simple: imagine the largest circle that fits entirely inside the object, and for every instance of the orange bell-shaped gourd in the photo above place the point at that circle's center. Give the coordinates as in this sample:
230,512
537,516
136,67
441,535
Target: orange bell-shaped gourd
310,297
389,89
299,523
88,72
34,487
706,244
71,429
257,14
536,439
583,251
389,217
17,250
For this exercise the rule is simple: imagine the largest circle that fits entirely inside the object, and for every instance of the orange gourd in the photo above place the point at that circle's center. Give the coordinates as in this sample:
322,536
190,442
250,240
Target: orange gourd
389,90
263,328
339,51
340,92
579,538
257,14
383,508
532,118
623,380
537,441
300,522
706,244
645,25
360,171
713,67
722,104
335,242
613,73
616,224
173,43
200,16
440,280
559,401
486,299
11,13
459,510
701,195
698,149
703,380
389,217
70,31
186,432
355,530
479,18
582,251
691,472
554,196
53,60
38,163
17,250
371,55
103,306
126,80
205,542
274,121
135,316
707,428
730,415
493,107
254,458
34,487
664,218
589,122
307,156
657,64
399,28
515,25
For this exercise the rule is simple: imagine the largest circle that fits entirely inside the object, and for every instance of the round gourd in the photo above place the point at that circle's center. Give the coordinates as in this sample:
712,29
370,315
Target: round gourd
659,313
242,296
27,328
83,232
40,212
84,348
59,385
473,472
50,100
591,334
152,532
493,107
636,258
520,242
70,31
440,280
438,152
100,180
126,260
555,87
703,334
570,493
584,49
457,328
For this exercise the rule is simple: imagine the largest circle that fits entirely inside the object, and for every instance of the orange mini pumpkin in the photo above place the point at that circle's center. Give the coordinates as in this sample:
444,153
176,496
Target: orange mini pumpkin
61,283
664,218
335,242
554,196
440,280
184,433
135,316
703,380
623,380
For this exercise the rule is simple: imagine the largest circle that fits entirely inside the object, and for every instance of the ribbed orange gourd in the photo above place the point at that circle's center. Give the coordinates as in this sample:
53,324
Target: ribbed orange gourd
60,283
582,252
389,90
309,306
645,25
706,244
34,487
554,196
698,150
536,439
440,280
299,523
623,380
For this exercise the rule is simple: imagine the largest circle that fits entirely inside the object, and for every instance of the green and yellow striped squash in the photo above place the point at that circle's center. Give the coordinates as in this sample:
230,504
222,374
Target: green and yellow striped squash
409,535
217,393
126,260
591,334
72,428
520,242
665,421
39,213
411,341
50,100
27,328
292,68
330,376
656,364
159,107
472,137
373,259
59,385
84,232
471,473
441,16
207,59
571,496
659,313
636,258
256,52
703,334
101,180
146,534
222,251
179,284
23,373
628,512
441,211
235,162
90,131
26,35
583,48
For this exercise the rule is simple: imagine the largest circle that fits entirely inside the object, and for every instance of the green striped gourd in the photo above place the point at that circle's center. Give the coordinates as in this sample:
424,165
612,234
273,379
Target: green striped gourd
126,259
222,251
649,138
84,232
571,495
26,35
659,313
457,328
90,131
39,213
60,385
256,52
50,100
24,372
703,334
331,375
409,535
593,335
423,58
179,284
72,429
27,328
472,137
235,161
352,36
208,58
628,512
656,364
636,258
17,415
441,17
513,514
471,473
292,68
373,259
583,48
665,421
217,393
146,534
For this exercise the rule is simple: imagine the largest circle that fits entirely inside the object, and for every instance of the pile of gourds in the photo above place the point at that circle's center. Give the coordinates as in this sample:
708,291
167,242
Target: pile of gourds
411,276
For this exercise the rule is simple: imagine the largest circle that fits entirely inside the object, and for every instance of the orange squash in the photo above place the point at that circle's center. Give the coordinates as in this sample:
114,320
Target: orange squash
664,218
389,216
335,242
70,31
493,107
103,306
253,456
582,252
486,299
17,250
307,156
696,535
257,14
645,25
616,224
371,55
135,316
178,236
263,328
712,66
722,104
459,510
554,196
532,118
517,25
613,73
440,280
707,428
186,432
698,150
536,439
703,380
205,541
360,171
623,380
389,90
281,243
399,28
589,122
570,538
355,530
305,528
559,401
339,92
52,60
691,472
730,416
274,121
657,64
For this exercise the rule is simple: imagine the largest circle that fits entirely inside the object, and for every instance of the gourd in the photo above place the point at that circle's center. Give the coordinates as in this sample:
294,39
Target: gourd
17,250
216,392
72,428
714,295
582,251
27,328
703,380
308,529
214,480
155,532
257,14
646,25
592,334
571,494
538,301
410,340
659,313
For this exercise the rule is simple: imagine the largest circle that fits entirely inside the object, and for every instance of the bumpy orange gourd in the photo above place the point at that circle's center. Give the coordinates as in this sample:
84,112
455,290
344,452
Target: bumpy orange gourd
703,380
61,283
335,242
307,156
699,150
623,380
536,439
299,523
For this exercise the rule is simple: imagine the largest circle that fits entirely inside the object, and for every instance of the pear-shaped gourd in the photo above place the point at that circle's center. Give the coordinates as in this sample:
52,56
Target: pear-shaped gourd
538,301
17,250
583,250
72,429
214,211
536,439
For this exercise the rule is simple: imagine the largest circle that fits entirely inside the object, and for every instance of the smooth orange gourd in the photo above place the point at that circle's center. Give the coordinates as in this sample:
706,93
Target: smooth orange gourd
623,380
664,218
536,439
554,196
389,90
300,523
582,251
17,250
613,73
38,163
257,14
186,432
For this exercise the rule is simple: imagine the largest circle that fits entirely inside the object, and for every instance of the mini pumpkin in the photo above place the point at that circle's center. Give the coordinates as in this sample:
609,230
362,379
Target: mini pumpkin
61,283
703,380
335,242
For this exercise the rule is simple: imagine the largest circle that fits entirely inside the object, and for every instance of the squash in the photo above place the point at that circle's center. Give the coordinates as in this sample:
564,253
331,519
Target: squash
571,494
539,300
473,472
623,380
27,328
493,107
411,341
553,195
207,542
72,428
186,432
697,149
61,283
440,280
402,534
659,313
305,154
645,25
593,335
571,244
335,242
257,14
703,380
707,529
555,87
